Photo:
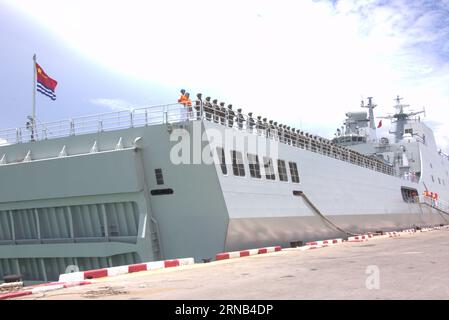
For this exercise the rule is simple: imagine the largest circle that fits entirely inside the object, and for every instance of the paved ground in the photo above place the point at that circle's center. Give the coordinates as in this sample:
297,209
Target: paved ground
407,267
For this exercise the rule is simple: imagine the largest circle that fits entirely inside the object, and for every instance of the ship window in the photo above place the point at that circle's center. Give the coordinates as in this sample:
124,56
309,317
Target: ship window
409,194
409,131
439,181
160,192
254,167
282,170
269,170
222,159
237,164
159,176
294,172
433,179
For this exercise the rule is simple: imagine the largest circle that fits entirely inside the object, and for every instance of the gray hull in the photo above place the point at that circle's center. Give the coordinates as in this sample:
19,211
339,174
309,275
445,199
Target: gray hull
101,208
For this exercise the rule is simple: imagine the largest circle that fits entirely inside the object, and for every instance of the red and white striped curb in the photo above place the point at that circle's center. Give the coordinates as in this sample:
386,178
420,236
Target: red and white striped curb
362,237
246,253
365,237
392,234
42,288
323,243
115,271
408,231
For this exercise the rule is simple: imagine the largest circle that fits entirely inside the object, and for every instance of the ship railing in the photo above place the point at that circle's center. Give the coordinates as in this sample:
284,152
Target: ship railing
303,141
9,135
411,176
174,113
168,113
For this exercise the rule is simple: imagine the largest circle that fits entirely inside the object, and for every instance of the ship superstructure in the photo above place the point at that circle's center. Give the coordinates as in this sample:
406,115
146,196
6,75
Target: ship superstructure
129,186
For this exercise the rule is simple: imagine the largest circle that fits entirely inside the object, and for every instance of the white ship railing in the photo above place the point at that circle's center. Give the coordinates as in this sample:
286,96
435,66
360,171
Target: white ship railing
173,113
95,123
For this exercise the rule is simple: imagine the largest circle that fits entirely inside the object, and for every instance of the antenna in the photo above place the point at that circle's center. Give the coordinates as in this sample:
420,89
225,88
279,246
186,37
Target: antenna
400,107
370,107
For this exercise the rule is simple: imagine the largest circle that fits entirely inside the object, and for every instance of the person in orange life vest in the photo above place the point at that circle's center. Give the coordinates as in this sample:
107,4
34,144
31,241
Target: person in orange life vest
435,198
427,196
182,98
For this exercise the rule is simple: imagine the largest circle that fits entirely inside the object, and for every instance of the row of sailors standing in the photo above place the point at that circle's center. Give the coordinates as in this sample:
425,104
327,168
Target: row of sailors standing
218,113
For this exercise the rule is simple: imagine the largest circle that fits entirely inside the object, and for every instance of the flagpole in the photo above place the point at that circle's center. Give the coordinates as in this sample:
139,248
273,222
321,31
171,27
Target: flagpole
33,115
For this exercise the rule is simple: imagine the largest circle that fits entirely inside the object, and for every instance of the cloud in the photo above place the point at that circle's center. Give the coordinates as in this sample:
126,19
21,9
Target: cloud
305,63
411,40
113,104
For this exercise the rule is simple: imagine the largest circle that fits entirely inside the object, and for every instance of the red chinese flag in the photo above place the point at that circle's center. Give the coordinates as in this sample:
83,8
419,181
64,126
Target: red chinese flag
44,79
45,84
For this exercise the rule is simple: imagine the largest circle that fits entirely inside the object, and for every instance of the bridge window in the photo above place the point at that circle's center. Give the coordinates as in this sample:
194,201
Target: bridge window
254,167
237,164
282,170
269,170
294,172
222,159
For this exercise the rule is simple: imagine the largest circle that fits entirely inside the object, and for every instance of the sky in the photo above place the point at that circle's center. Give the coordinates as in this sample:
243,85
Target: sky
304,63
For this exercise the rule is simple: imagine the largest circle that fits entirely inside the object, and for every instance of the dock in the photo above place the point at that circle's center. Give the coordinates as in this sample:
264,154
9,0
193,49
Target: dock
411,265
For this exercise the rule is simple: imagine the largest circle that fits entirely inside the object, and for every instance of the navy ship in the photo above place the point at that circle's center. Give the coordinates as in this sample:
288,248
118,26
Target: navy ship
175,181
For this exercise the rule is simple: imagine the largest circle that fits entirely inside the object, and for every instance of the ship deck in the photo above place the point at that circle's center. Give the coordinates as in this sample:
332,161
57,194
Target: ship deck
408,267
169,114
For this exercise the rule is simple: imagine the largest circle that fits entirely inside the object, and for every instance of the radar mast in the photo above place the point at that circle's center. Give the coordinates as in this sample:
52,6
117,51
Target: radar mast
400,118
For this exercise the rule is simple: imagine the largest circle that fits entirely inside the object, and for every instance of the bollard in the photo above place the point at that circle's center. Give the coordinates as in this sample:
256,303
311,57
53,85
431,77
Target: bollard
295,244
12,278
